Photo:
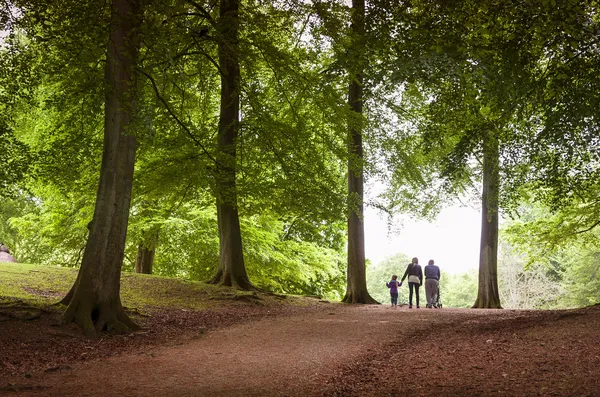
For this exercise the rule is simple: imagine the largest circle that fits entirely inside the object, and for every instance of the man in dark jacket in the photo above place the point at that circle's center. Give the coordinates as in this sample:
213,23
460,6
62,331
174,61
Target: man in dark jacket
432,283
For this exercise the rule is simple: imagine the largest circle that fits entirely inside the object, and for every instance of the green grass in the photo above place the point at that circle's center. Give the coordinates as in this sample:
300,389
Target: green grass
44,285
36,284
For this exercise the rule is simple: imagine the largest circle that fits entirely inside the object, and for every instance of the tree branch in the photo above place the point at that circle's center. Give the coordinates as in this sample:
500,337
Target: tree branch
587,229
203,12
181,124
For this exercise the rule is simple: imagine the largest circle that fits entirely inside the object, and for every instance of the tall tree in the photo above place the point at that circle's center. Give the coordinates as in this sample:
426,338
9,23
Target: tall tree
283,145
488,296
94,302
231,271
479,65
356,289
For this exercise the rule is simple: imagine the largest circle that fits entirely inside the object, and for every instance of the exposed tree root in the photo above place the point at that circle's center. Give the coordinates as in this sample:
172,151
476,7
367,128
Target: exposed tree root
253,298
17,310
486,304
363,298
20,314
281,296
97,318
228,280
135,311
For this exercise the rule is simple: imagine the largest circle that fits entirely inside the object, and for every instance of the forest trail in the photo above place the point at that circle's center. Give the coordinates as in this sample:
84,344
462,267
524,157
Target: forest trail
357,350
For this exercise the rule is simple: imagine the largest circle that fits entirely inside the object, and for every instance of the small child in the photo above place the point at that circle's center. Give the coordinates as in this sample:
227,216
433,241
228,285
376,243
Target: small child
393,286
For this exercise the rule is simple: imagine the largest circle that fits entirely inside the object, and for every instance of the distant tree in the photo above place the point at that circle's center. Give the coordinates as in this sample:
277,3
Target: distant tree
560,247
526,287
147,237
458,290
380,273
144,260
57,112
15,74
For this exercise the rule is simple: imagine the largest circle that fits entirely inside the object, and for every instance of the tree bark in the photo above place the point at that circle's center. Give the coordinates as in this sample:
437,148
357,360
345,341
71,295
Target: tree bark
488,296
94,302
356,289
144,259
231,271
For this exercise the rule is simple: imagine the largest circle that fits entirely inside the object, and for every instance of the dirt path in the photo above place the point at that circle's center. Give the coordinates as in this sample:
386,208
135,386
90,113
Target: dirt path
357,350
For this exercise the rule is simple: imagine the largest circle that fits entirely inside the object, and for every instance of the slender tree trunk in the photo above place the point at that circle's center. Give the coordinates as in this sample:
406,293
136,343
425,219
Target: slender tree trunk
146,250
356,289
145,259
488,296
231,271
94,300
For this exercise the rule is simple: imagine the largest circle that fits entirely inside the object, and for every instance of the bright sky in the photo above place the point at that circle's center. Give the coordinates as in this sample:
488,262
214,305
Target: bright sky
452,240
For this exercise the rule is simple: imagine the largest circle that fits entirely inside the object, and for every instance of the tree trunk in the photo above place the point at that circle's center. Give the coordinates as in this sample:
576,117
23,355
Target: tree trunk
144,259
488,296
231,271
146,250
356,289
94,300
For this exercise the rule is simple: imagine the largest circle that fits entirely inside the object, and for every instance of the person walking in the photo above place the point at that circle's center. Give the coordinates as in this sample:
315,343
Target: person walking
432,283
393,286
415,280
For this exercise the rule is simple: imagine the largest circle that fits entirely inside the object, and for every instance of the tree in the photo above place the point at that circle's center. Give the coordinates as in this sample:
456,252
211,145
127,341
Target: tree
231,271
148,236
488,296
560,143
478,70
383,271
56,115
94,301
526,287
284,140
550,142
144,260
15,72
356,289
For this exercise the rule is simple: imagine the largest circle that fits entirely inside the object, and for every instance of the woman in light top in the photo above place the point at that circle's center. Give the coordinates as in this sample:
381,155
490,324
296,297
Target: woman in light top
415,280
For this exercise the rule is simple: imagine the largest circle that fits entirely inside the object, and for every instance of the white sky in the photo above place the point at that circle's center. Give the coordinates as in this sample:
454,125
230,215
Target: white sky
452,240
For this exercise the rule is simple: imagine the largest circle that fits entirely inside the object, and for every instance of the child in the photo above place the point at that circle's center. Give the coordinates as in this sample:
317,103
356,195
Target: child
393,286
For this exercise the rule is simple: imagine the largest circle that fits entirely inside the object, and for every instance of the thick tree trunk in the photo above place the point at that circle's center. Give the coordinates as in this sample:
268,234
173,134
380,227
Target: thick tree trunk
94,301
488,296
356,289
144,259
231,271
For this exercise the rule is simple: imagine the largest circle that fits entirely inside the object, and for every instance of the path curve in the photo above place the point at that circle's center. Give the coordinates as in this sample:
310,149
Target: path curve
285,356
359,350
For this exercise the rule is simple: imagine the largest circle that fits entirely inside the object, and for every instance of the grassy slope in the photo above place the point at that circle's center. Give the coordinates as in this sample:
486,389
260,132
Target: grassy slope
167,309
42,285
